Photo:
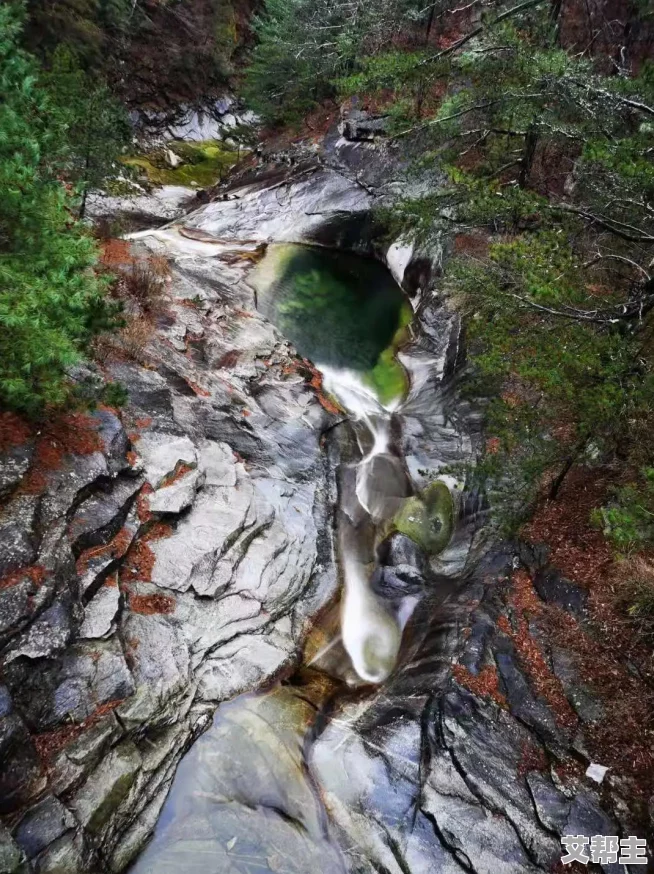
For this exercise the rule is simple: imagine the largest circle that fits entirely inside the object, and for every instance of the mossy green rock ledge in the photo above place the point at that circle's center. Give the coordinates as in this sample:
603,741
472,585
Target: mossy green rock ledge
428,519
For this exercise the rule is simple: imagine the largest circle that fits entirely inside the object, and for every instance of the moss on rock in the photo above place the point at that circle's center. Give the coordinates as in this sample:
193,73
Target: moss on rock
428,519
202,164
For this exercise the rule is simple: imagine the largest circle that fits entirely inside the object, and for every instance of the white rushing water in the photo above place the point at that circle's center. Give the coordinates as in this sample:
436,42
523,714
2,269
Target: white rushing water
371,634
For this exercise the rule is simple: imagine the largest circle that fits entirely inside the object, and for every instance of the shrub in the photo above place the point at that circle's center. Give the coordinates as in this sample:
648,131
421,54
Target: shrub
634,587
145,282
628,521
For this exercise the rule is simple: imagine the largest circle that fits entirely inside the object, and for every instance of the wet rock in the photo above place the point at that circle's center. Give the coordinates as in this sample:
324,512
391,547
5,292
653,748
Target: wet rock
42,825
253,743
396,582
481,841
86,676
523,703
92,675
534,555
398,550
87,749
107,787
385,485
488,750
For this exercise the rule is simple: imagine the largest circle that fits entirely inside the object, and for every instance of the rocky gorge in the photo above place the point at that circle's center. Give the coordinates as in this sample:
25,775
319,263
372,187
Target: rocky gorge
171,577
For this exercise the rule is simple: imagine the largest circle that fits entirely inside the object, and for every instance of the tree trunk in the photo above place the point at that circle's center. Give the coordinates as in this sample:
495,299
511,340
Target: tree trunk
82,206
430,23
527,160
555,19
555,488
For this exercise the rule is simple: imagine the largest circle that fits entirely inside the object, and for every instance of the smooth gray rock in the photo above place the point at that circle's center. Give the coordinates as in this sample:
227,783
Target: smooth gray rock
100,613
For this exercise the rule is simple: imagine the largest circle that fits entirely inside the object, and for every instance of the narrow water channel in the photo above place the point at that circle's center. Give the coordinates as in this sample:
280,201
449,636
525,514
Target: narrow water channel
243,799
347,315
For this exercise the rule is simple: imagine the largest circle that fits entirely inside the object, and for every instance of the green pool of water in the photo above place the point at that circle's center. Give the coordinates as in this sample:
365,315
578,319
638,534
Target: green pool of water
337,309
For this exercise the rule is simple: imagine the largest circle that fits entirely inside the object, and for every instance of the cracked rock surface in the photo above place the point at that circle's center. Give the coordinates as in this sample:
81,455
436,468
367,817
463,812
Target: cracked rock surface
175,557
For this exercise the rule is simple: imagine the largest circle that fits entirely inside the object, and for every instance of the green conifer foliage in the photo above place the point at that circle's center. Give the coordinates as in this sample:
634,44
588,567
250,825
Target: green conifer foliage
51,299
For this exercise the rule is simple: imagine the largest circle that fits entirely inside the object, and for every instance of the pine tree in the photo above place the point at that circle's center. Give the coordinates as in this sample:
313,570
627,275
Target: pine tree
51,299
96,128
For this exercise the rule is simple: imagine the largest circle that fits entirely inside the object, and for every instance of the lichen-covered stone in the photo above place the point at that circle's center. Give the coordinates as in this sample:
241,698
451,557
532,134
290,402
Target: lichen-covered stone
428,519
107,787
10,854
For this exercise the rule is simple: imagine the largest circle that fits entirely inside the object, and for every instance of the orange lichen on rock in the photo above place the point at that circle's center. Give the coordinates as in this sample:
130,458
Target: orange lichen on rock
180,471
143,504
525,604
196,389
532,758
138,564
229,359
316,383
116,548
116,253
149,605
36,574
485,684
578,550
14,431
70,433
49,743
140,559
145,422
159,531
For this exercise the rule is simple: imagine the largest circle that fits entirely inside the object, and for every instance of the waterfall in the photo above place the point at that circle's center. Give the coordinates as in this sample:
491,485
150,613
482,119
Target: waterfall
371,633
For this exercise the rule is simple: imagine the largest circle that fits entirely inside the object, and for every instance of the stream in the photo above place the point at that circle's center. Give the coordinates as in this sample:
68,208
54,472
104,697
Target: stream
244,798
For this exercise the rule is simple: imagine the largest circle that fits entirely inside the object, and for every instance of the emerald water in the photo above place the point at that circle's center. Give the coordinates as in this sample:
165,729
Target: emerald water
341,311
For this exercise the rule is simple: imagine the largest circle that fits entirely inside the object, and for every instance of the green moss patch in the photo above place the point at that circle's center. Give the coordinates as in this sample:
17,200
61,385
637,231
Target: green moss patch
428,519
203,164
388,377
